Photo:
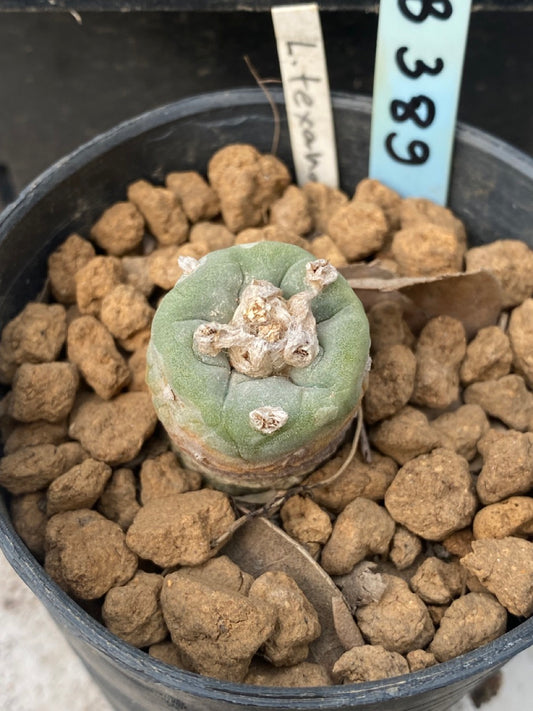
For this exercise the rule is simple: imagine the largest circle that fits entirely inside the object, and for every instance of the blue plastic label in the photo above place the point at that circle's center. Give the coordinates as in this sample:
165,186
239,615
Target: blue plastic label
419,64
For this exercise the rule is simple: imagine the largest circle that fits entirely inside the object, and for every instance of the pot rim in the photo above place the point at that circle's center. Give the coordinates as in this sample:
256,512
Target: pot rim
140,664
130,128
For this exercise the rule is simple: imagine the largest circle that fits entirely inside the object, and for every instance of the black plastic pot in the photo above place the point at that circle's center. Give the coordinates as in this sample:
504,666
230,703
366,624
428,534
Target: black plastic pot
492,191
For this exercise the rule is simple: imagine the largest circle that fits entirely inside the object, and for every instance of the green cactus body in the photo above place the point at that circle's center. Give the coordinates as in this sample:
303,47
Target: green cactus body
256,364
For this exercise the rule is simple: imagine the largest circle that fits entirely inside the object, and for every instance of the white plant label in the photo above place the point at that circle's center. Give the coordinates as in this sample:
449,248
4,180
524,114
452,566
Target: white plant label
306,89
418,70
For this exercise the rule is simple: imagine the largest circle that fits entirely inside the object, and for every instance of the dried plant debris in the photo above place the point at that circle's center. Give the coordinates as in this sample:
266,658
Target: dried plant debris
474,298
363,585
388,558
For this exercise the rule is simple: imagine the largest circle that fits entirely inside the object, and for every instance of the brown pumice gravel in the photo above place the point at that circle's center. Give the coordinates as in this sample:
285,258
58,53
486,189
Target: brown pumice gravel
44,391
92,348
471,621
163,213
133,612
28,513
157,531
362,528
426,249
369,190
440,350
291,212
399,621
323,203
247,184
405,435
106,430
302,674
360,478
105,560
78,488
162,476
95,280
216,630
296,621
413,211
197,198
428,531
36,335
510,517
118,502
488,356
505,567
511,262
119,230
433,495
358,229
390,382
306,522
33,433
64,263
31,468
369,663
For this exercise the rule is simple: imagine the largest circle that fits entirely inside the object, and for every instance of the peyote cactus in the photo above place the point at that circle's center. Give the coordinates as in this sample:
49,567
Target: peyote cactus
256,364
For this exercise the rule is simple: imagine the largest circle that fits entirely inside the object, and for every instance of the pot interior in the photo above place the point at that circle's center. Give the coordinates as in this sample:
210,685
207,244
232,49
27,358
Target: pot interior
491,191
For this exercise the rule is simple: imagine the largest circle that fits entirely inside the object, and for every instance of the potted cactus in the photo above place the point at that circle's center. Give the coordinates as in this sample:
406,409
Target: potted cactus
256,364
186,373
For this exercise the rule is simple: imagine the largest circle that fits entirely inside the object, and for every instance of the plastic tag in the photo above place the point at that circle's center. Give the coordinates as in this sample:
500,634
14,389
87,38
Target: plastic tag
306,89
419,64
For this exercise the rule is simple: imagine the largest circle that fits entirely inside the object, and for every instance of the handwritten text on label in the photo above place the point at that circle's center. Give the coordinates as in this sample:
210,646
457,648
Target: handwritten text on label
419,62
306,90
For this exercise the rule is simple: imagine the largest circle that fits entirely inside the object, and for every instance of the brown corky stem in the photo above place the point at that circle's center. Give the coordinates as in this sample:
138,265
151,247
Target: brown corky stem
365,445
273,506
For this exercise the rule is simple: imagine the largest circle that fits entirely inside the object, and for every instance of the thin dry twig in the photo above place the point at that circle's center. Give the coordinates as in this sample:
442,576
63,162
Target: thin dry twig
76,15
274,505
365,445
43,296
261,83
347,461
503,321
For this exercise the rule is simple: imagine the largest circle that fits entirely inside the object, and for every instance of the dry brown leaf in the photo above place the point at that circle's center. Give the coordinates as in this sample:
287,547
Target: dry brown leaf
474,298
346,627
367,272
260,546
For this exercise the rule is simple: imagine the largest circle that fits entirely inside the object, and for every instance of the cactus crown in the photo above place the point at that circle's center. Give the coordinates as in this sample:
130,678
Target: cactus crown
267,333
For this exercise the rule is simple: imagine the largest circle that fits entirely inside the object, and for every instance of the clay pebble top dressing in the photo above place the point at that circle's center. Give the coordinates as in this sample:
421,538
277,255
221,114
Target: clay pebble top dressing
409,552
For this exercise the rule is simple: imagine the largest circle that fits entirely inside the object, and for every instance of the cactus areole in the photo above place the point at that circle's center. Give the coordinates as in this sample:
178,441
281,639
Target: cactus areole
256,364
